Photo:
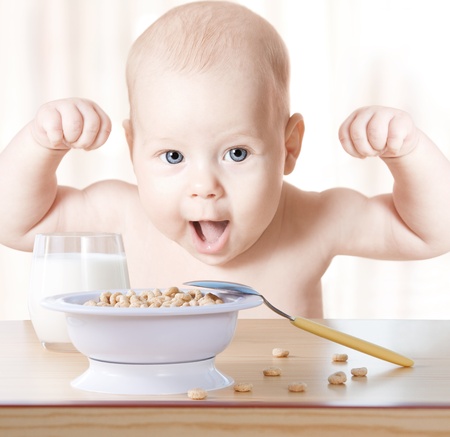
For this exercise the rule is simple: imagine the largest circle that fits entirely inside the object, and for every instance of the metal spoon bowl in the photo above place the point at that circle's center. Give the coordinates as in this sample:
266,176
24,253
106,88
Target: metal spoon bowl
310,326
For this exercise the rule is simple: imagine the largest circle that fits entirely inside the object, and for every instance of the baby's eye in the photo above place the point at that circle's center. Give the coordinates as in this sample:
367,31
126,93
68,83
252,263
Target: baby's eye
172,157
237,155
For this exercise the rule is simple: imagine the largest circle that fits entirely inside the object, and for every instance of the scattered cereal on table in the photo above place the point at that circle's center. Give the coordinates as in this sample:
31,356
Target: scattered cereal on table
242,387
340,358
280,352
272,371
359,371
197,394
337,378
297,387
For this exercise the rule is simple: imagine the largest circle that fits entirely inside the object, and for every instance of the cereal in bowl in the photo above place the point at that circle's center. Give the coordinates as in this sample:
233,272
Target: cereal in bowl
172,297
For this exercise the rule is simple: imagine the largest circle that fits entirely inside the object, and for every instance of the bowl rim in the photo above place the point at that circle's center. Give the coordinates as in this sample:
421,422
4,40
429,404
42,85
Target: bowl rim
72,303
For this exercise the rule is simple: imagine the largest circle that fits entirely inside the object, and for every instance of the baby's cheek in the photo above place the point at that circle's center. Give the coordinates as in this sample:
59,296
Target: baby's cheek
154,205
165,223
257,212
263,198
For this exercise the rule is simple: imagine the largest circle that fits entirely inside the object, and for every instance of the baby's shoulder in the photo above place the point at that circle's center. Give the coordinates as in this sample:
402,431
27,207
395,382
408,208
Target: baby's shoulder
314,206
112,195
112,187
315,223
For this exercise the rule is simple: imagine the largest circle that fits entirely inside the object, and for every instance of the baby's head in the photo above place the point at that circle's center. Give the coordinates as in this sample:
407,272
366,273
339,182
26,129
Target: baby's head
212,36
210,133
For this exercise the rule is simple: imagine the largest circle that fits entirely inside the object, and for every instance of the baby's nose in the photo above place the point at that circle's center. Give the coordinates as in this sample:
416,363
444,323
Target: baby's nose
206,185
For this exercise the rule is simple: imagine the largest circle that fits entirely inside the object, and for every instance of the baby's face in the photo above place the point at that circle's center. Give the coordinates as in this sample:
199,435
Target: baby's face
209,161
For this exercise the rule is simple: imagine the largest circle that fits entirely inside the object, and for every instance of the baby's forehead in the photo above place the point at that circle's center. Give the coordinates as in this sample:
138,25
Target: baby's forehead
201,105
214,88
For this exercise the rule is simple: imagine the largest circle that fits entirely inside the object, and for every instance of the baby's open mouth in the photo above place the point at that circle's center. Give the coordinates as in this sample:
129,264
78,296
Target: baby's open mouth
210,231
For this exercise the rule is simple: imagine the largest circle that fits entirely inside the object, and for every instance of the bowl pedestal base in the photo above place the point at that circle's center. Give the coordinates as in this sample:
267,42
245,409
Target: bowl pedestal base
151,379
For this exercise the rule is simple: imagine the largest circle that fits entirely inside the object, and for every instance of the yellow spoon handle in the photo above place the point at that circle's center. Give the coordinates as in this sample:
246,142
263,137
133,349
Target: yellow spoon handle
352,342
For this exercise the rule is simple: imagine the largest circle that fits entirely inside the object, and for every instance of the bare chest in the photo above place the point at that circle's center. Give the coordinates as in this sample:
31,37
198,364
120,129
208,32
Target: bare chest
288,275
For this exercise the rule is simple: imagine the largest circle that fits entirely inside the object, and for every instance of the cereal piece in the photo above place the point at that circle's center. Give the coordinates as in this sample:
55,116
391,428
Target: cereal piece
337,378
113,298
272,371
104,296
185,297
242,387
123,298
197,394
90,303
207,299
196,294
340,358
171,292
280,352
359,371
146,295
297,387
214,297
135,299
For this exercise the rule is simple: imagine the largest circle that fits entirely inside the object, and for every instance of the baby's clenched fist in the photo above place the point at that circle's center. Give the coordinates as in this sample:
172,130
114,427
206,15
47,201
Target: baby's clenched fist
378,131
71,124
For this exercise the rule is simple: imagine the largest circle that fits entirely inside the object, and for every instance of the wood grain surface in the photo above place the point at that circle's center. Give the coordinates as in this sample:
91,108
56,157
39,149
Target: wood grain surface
36,397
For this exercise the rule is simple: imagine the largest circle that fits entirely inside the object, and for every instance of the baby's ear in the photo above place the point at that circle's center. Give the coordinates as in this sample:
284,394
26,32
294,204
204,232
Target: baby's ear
295,129
128,134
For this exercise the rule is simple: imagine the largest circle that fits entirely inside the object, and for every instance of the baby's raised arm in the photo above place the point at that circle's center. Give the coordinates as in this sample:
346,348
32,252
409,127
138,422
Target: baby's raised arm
29,194
414,221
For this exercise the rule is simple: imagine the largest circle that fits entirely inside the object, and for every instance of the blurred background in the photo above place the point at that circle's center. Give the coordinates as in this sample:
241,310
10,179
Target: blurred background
344,54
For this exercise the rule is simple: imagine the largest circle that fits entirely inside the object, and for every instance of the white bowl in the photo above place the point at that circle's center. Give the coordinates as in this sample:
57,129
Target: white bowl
150,350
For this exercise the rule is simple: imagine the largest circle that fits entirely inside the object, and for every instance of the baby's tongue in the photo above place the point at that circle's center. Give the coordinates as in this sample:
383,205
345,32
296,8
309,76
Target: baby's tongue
210,231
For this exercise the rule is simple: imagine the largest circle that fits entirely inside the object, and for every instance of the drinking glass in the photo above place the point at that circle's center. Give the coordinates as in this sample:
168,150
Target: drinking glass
66,263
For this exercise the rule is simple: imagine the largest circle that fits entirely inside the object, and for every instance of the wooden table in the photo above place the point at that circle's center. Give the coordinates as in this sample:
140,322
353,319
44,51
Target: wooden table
36,398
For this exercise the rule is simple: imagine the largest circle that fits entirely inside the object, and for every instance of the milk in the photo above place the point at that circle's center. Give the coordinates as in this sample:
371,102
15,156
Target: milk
58,273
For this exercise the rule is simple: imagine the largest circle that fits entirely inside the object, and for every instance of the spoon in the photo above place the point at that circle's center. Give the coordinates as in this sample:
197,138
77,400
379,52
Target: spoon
310,326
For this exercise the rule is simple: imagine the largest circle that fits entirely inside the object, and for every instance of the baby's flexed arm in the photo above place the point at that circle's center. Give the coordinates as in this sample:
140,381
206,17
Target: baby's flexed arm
413,222
29,194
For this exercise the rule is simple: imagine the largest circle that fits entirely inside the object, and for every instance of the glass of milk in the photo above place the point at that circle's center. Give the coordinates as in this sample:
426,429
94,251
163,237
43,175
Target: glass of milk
67,263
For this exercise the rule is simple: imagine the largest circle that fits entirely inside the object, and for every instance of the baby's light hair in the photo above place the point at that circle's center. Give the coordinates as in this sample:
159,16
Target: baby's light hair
212,35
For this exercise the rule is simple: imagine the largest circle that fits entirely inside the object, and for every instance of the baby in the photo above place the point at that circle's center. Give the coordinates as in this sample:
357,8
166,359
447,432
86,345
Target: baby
211,135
